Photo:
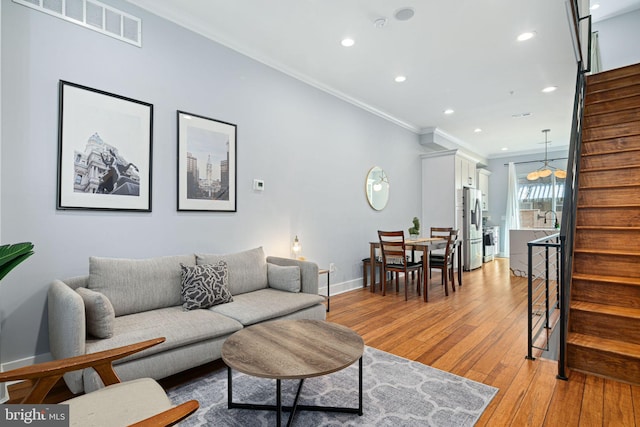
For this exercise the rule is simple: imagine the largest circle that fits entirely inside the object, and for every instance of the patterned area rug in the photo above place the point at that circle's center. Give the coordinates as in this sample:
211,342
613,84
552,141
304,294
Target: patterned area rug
396,392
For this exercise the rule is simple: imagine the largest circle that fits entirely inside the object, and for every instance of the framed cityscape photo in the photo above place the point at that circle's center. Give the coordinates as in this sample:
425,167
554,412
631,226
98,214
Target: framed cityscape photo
206,164
104,150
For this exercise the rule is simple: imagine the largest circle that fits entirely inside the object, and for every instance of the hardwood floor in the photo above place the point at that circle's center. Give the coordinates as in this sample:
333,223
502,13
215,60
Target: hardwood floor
480,332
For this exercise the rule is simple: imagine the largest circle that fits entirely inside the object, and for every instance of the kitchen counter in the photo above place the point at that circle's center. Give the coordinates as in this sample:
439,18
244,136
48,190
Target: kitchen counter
518,249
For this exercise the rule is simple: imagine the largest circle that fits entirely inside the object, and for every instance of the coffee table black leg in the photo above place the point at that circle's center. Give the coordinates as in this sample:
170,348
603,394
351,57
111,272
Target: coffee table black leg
279,408
360,386
279,403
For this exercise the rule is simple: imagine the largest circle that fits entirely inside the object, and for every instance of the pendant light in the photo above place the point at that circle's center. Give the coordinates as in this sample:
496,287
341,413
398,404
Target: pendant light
546,170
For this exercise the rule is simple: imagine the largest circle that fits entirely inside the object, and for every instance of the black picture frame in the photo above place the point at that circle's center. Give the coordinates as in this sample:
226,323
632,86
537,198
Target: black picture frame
105,148
207,164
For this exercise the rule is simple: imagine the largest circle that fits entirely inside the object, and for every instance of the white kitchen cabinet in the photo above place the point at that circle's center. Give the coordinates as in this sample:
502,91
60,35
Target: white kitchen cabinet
444,175
483,186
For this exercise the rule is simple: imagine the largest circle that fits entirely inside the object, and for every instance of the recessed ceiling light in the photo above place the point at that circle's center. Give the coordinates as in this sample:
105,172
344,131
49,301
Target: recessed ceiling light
347,42
404,14
504,148
477,130
400,79
594,6
549,89
526,36
448,111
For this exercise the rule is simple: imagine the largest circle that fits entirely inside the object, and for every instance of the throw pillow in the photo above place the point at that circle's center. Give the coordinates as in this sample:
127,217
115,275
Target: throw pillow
99,313
284,278
205,285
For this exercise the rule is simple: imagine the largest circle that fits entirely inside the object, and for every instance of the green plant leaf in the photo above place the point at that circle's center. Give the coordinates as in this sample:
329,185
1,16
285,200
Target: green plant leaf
12,255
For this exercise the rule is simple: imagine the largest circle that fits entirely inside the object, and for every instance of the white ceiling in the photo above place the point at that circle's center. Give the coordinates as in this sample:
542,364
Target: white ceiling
460,54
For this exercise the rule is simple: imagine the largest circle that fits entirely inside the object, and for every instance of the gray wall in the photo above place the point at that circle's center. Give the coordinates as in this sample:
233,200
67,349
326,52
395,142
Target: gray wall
312,150
499,179
618,38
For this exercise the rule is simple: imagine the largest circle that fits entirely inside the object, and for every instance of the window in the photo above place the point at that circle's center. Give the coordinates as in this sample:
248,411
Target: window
540,201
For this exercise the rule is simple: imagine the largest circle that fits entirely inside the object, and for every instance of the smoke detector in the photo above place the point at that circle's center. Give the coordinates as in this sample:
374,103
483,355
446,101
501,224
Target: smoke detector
380,22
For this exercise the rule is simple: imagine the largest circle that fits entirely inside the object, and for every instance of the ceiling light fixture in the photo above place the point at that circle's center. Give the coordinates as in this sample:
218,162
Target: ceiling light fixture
477,130
546,170
505,148
347,42
400,79
549,89
449,111
404,14
526,36
595,6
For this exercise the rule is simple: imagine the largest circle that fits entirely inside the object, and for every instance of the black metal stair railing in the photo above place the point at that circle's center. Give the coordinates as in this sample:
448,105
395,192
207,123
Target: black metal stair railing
544,277
563,244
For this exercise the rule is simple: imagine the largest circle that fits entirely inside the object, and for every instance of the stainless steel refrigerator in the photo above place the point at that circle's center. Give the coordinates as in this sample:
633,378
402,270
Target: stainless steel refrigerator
472,228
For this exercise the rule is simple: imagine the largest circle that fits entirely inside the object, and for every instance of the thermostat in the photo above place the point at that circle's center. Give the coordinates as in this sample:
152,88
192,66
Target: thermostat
258,185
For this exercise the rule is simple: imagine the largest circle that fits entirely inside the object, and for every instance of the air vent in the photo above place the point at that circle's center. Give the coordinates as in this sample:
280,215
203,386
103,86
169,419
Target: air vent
93,15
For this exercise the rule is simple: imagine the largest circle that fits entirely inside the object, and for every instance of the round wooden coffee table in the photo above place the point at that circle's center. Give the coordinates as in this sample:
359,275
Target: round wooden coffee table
292,349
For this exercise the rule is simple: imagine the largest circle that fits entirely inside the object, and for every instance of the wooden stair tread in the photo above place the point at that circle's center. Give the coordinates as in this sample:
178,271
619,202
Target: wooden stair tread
613,310
600,206
604,153
615,74
607,168
632,281
607,252
603,186
607,228
597,343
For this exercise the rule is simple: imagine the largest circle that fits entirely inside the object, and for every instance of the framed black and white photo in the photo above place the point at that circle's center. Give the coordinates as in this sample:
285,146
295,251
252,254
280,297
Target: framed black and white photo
206,164
104,150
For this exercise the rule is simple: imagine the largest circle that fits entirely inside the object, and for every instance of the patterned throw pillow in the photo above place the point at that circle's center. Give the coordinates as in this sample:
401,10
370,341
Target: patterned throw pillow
205,285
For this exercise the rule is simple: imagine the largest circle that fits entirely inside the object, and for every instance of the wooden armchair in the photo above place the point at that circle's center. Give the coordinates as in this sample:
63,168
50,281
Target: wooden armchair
141,402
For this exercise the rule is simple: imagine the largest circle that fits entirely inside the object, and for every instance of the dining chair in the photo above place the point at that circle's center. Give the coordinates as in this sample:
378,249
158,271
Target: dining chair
394,259
444,261
441,233
142,402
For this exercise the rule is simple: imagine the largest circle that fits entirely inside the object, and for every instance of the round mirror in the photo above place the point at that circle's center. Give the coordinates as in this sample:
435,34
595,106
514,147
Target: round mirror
377,188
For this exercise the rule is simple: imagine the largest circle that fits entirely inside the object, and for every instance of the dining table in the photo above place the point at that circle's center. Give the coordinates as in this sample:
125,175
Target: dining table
424,244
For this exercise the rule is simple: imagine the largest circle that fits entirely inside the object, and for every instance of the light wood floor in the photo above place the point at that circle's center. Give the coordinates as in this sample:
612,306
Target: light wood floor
480,332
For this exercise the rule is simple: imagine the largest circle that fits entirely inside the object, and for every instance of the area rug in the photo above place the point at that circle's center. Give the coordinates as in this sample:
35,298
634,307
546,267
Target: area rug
396,392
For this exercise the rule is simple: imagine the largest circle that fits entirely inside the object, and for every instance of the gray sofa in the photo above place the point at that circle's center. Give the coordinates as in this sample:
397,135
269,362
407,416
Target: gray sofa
123,301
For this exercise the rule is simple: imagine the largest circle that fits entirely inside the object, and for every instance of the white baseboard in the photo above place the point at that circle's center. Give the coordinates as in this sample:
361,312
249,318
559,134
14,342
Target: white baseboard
15,364
339,288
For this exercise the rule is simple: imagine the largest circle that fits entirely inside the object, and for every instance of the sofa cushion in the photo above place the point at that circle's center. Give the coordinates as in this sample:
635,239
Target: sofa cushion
204,286
98,312
247,269
135,285
284,278
179,327
265,304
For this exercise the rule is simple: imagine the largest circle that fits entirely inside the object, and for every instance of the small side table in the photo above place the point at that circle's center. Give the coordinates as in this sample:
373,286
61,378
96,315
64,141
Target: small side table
328,273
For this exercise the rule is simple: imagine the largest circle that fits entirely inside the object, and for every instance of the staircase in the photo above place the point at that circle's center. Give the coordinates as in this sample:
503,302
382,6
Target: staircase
604,320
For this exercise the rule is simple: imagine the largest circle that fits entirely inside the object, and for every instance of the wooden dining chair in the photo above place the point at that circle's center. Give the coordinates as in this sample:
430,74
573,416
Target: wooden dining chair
441,233
394,259
444,262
